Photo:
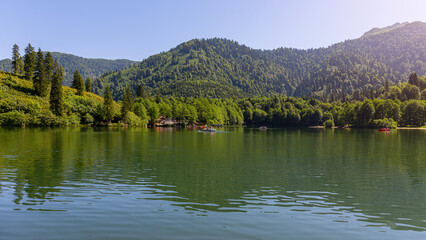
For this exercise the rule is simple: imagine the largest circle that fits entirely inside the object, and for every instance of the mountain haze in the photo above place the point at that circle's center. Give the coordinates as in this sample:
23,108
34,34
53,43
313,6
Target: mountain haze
223,68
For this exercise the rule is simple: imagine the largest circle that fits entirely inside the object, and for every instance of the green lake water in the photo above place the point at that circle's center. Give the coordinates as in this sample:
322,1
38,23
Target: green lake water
239,183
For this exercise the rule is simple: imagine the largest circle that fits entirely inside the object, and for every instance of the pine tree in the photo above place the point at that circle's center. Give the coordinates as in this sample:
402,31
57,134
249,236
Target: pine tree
413,80
17,64
89,85
29,62
41,84
56,92
78,83
20,65
387,88
127,102
48,62
140,92
108,105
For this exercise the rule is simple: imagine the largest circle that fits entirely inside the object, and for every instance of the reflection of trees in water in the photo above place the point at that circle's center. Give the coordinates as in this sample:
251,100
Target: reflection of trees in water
376,175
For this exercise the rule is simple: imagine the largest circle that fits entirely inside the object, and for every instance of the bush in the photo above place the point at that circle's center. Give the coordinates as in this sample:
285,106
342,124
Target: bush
88,119
329,123
14,118
384,123
134,120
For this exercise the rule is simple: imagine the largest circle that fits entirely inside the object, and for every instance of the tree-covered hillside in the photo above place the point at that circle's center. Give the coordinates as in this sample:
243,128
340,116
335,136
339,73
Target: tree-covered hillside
6,65
224,68
88,67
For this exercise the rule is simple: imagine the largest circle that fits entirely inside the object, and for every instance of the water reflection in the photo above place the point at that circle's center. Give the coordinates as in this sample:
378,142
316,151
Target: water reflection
379,179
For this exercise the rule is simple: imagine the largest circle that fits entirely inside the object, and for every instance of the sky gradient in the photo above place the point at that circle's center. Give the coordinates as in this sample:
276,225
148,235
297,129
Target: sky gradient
137,29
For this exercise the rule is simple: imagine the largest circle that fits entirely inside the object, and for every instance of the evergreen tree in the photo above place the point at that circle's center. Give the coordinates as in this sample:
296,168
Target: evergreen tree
387,88
413,80
89,85
29,62
78,83
56,92
140,92
41,84
48,62
17,64
20,66
108,105
127,102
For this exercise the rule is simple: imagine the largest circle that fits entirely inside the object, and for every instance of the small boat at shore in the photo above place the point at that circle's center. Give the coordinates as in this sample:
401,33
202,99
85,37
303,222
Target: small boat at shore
384,129
263,128
209,129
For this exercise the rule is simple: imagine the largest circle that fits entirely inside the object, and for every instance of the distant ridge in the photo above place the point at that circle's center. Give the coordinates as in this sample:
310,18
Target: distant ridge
376,31
224,68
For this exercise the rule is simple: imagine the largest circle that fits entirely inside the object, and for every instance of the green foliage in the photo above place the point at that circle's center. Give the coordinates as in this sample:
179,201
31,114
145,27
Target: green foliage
49,65
17,63
56,92
89,85
86,66
413,113
108,105
24,107
127,102
384,123
14,118
410,92
133,120
29,62
41,81
88,119
78,83
329,123
220,68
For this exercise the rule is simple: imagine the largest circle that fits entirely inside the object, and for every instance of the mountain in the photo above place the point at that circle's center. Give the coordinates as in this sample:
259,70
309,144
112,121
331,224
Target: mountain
88,67
223,68
376,31
6,65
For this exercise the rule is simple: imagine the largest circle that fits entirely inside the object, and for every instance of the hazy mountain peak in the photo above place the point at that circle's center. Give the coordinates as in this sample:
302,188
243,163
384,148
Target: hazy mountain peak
377,30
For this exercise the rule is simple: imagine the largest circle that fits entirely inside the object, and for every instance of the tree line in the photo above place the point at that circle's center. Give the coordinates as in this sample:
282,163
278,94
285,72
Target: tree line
402,104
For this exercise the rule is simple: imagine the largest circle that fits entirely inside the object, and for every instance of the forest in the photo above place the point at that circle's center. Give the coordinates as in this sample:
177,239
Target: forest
221,68
87,67
34,96
373,81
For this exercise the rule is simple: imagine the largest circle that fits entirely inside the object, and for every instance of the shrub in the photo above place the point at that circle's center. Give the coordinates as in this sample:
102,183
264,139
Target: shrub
134,120
87,119
384,123
329,123
14,118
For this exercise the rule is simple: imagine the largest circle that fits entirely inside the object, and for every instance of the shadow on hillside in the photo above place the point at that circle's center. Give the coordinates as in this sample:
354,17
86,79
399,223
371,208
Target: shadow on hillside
24,90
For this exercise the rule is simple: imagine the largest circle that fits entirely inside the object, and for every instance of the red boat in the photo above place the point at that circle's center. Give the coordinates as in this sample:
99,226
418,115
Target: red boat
384,129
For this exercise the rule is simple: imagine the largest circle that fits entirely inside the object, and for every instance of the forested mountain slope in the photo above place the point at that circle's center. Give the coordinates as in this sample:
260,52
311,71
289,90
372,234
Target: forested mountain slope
224,68
88,67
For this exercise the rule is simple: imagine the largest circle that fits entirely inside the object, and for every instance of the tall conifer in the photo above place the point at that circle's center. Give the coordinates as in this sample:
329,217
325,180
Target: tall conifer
78,83
127,102
48,62
41,84
17,64
29,62
56,92
140,91
108,105
89,85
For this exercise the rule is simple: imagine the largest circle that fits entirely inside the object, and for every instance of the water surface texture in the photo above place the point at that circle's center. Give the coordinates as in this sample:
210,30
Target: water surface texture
138,183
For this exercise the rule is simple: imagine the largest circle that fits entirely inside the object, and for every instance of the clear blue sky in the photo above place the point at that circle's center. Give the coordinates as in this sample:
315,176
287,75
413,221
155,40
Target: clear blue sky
138,29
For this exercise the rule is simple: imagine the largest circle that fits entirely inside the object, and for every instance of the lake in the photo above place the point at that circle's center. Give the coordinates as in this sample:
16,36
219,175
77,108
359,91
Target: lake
239,183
